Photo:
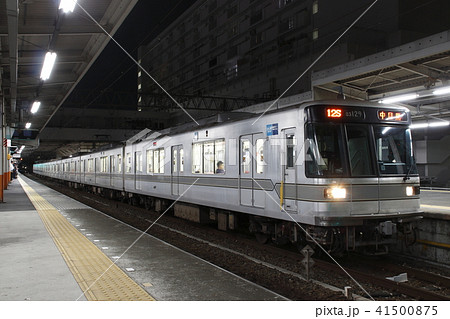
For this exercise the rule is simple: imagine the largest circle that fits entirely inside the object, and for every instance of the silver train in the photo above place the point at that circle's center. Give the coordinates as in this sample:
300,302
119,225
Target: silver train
341,174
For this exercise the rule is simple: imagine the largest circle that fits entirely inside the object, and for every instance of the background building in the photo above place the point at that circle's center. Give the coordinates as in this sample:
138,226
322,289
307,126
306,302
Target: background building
256,49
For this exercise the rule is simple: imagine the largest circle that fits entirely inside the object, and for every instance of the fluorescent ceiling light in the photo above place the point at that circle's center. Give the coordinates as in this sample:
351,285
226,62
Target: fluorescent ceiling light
433,124
28,125
47,68
400,98
442,90
67,5
35,107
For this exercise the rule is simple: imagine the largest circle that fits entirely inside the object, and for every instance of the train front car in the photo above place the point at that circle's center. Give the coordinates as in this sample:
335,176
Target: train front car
359,159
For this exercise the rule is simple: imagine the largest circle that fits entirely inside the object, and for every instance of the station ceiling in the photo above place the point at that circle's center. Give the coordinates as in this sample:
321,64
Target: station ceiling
418,67
31,28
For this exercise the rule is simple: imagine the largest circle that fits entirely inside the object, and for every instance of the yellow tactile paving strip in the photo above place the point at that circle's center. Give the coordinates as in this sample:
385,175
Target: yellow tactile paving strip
98,277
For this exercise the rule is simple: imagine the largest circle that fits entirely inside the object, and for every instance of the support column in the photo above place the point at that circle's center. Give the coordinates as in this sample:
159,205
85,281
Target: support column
2,147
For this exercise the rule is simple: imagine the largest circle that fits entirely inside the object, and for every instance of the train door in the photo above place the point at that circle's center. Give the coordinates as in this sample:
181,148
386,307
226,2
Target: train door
289,170
79,170
177,168
112,170
96,168
121,169
362,167
137,169
83,170
251,168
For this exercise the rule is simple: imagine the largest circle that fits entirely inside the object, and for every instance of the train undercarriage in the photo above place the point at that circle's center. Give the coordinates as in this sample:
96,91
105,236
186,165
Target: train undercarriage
373,237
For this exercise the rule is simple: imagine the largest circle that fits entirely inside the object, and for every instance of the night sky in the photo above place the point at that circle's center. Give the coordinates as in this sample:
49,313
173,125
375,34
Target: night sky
113,70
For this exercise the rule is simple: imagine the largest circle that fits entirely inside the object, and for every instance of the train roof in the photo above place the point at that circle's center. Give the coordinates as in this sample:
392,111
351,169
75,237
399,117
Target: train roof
230,117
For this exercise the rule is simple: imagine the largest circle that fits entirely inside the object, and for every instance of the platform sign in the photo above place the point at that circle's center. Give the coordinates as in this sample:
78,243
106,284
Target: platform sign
272,129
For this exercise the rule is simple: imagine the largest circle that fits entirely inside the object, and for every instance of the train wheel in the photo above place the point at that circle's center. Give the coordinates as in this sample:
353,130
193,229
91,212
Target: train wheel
262,238
134,201
148,204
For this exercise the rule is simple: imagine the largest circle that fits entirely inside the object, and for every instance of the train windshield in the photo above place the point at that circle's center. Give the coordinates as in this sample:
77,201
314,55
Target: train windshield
394,150
324,151
341,150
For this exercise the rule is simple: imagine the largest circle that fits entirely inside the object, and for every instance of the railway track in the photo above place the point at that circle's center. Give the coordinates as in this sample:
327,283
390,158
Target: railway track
405,289
402,288
420,275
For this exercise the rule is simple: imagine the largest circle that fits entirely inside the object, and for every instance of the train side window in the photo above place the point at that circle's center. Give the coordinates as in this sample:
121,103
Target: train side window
246,156
219,156
158,161
208,158
174,161
181,160
91,165
104,164
197,154
112,163
128,163
119,163
149,161
161,161
290,150
138,162
260,156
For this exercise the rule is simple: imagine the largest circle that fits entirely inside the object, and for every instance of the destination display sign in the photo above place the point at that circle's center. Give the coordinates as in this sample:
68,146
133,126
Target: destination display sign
389,115
337,113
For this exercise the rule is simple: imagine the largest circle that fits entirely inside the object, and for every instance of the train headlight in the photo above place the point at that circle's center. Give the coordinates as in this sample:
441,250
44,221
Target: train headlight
410,191
335,192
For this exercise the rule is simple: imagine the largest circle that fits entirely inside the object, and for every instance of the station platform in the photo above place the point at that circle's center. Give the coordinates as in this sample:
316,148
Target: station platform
433,240
56,248
435,203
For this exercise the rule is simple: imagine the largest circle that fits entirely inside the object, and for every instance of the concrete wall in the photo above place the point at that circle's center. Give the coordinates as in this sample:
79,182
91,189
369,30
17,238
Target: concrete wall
433,160
433,236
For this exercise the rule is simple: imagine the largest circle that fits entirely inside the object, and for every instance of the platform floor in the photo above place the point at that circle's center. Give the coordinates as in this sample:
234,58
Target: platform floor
32,266
435,202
